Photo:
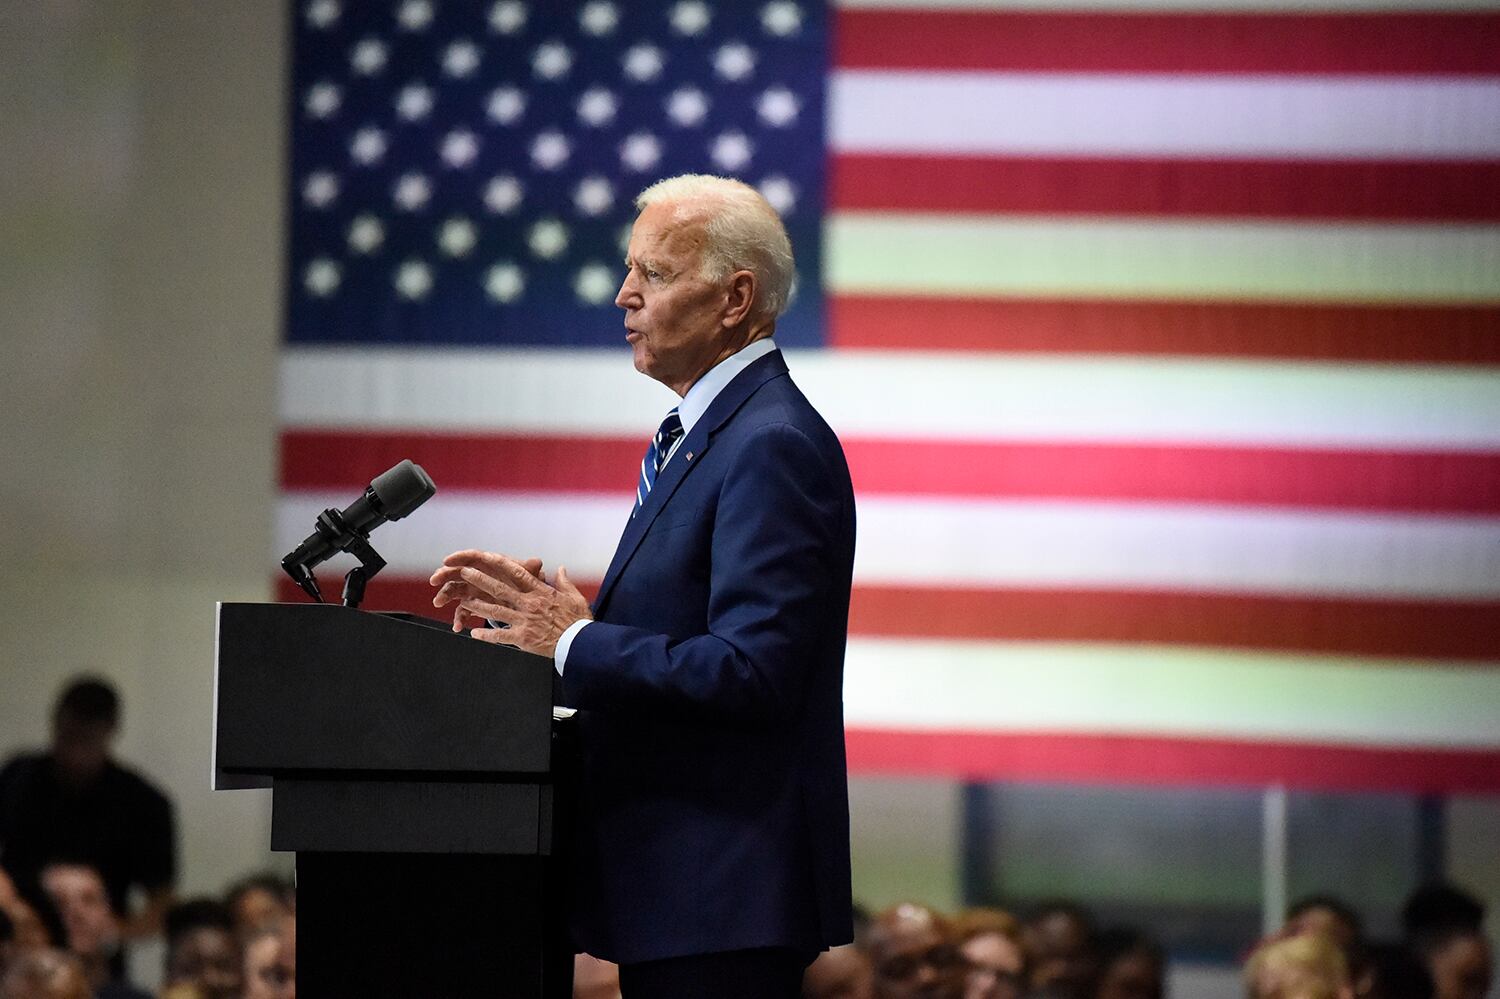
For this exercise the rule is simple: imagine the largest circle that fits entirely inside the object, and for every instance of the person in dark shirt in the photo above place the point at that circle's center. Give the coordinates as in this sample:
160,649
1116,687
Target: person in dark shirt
75,802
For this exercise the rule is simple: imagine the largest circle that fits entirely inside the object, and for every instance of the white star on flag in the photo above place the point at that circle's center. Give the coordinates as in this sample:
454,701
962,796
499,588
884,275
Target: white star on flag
368,146
552,60
689,17
414,15
461,59
550,150
599,17
508,16
414,102
643,63
413,190
366,234
460,147
502,194
413,279
781,18
778,107
321,277
505,105
322,100
595,283
320,189
594,195
597,107
548,239
687,106
640,151
368,57
504,282
457,237
734,61
780,192
731,150
322,13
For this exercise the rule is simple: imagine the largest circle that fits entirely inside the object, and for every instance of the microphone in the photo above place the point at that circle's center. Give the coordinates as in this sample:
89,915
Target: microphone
390,496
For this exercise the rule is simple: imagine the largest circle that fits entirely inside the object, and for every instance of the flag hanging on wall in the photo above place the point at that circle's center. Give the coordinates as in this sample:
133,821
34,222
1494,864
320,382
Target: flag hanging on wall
1163,339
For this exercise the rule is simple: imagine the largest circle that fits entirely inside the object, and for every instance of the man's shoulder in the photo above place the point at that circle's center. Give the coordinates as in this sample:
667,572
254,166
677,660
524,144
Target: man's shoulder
21,767
130,783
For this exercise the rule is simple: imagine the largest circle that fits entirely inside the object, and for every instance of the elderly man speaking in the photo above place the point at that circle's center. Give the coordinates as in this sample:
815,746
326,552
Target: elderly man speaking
714,826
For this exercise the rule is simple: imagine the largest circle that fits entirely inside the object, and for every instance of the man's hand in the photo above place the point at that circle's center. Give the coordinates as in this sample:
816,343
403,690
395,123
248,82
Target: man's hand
485,585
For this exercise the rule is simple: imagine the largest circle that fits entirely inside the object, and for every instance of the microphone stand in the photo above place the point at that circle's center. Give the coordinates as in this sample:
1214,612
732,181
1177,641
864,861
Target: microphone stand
338,534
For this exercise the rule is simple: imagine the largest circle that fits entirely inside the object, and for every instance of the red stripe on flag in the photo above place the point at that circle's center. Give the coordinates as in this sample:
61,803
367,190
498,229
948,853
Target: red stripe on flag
1323,43
1404,629
1426,482
1347,190
1397,334
1116,759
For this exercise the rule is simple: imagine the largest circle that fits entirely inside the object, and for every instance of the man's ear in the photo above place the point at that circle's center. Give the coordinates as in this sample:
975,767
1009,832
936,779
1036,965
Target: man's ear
740,298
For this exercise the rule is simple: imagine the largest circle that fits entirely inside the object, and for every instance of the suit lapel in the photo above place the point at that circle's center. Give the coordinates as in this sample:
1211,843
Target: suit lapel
689,454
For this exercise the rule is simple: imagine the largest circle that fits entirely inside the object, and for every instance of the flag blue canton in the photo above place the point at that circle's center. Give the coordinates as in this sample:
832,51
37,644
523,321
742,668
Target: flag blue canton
463,172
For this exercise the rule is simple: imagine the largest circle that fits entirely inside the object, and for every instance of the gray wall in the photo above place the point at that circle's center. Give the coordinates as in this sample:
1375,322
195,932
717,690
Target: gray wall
141,168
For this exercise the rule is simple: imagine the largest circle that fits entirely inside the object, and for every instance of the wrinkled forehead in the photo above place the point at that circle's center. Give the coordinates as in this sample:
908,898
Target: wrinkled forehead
671,228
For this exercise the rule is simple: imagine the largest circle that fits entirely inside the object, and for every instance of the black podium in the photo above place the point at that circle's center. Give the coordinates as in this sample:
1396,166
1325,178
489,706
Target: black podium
421,780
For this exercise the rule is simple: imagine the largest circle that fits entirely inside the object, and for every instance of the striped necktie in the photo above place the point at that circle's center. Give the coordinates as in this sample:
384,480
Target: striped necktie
656,456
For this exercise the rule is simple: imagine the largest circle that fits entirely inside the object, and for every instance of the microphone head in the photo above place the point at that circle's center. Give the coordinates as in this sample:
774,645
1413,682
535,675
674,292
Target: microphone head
402,489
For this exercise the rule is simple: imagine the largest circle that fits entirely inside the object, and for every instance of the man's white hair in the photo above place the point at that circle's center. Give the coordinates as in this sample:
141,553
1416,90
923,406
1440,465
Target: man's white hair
742,230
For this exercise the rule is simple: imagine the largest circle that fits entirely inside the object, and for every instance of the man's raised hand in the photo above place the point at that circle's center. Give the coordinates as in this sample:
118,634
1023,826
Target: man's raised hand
486,586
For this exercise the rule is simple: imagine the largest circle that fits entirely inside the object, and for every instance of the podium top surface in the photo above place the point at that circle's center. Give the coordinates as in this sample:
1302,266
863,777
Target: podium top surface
322,691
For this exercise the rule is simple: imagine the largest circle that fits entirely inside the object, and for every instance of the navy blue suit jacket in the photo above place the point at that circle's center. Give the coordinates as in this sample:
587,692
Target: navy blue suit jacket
714,801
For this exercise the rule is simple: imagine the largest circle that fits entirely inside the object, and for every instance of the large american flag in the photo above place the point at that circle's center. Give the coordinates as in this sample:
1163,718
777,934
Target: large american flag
1163,337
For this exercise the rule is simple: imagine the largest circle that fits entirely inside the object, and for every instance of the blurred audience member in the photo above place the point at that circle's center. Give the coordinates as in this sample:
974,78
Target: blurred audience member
45,974
91,930
258,902
1390,971
1330,916
839,973
913,955
75,801
286,960
595,979
990,942
1131,965
1458,959
1059,941
1444,928
202,950
259,967
1307,966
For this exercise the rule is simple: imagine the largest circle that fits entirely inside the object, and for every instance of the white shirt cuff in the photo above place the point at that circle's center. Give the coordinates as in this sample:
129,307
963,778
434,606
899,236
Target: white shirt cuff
564,643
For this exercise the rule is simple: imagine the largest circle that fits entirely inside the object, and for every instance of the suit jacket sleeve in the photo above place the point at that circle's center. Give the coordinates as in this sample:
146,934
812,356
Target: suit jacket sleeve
771,567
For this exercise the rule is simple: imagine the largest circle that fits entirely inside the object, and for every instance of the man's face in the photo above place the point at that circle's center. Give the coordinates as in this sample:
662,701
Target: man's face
77,892
81,748
262,976
1461,970
914,960
673,316
208,958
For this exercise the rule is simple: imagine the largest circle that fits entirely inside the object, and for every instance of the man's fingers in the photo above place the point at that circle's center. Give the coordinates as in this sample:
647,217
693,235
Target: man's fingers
488,610
498,636
565,584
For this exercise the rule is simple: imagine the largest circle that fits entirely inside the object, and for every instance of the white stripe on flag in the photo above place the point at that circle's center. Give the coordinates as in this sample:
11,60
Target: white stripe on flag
918,541
1158,115
1156,690
917,395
